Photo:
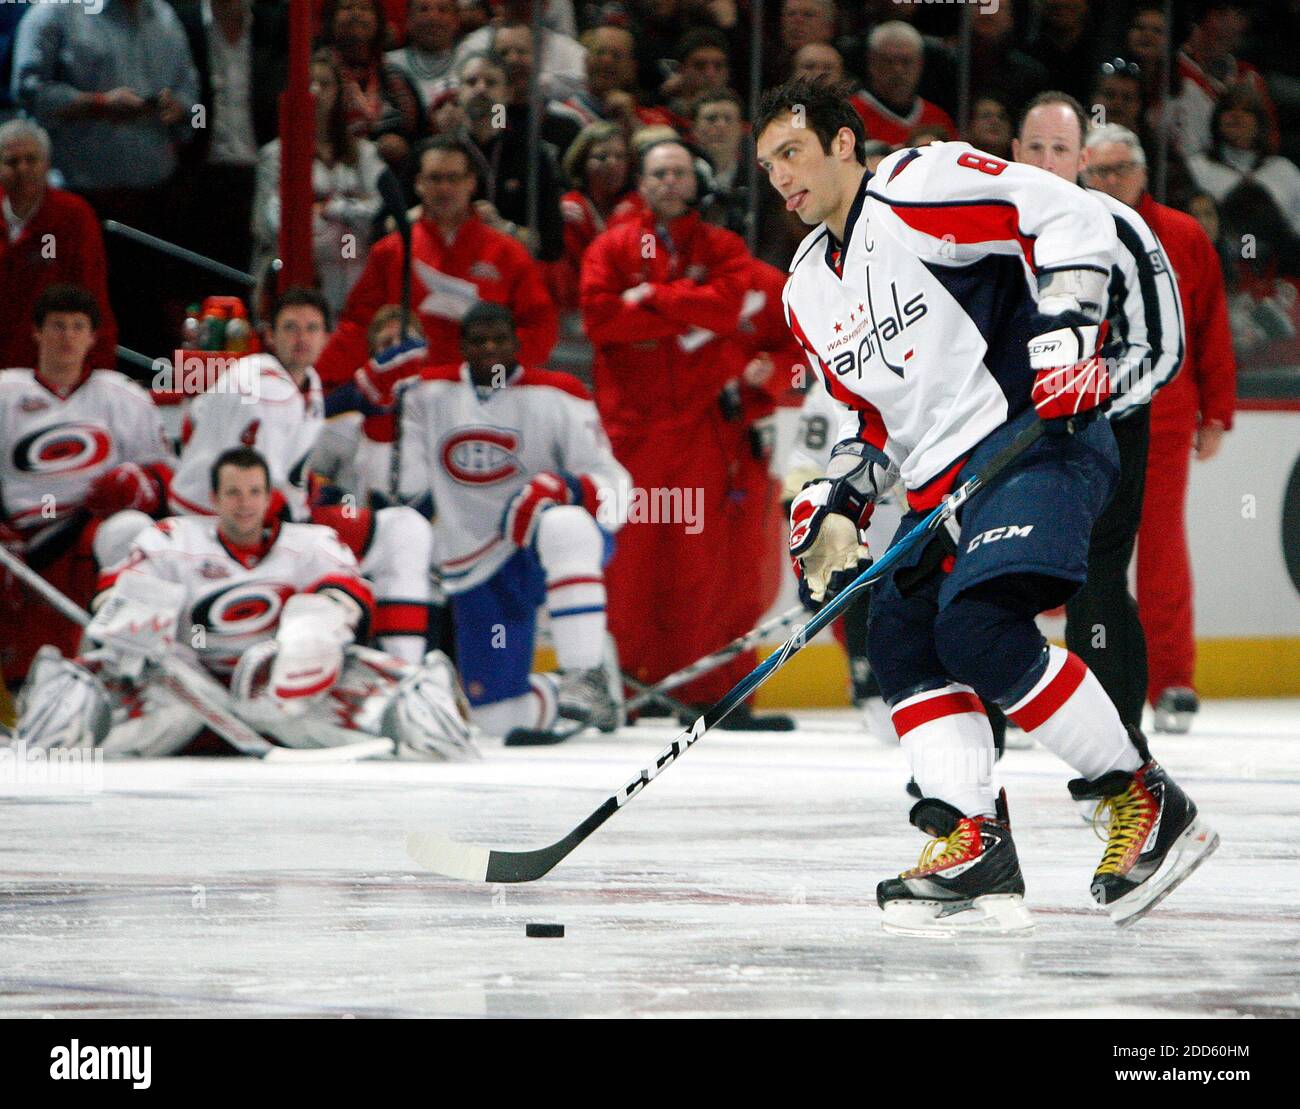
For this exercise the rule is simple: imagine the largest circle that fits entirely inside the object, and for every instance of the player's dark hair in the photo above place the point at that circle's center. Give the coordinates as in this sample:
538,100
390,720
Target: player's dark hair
296,296
487,311
65,298
242,458
824,107
1055,96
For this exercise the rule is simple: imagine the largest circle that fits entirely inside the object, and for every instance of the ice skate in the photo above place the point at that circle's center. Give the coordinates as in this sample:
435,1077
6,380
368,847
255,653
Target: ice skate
1154,837
967,882
584,696
1175,710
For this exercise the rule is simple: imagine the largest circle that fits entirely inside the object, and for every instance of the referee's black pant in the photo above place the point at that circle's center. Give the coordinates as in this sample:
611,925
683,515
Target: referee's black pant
1102,625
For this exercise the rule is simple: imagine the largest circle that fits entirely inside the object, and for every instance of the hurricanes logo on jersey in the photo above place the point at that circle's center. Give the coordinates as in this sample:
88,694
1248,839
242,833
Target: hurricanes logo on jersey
62,449
481,455
245,608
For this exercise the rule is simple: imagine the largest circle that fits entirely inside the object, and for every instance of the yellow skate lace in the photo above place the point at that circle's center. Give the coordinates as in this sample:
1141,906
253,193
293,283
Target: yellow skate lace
939,852
1129,816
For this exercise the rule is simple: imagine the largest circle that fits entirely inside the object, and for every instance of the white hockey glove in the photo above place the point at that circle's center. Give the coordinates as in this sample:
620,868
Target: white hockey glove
134,619
828,519
314,629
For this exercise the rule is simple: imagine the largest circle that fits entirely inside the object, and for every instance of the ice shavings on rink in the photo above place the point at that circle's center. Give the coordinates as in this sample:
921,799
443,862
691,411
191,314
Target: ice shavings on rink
740,883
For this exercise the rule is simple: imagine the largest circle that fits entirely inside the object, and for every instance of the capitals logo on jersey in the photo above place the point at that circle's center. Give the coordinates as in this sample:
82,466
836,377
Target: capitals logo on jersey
63,448
859,348
481,455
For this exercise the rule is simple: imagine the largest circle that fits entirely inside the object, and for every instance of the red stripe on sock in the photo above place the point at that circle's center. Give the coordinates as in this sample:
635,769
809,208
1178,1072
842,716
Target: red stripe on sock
947,704
575,581
401,619
1054,694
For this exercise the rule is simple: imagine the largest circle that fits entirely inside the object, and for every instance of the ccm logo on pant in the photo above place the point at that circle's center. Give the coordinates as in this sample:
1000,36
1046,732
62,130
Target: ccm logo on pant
1011,531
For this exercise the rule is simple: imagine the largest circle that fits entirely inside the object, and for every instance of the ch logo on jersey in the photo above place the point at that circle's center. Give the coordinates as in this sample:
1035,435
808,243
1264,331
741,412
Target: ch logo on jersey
884,319
481,455
62,449
245,608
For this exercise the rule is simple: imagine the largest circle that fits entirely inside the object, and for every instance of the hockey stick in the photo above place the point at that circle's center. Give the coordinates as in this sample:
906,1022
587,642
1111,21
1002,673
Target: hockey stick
543,737
437,852
201,693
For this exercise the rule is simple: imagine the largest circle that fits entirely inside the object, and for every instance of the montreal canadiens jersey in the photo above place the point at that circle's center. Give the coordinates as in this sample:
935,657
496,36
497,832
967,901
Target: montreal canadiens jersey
474,449
254,404
54,447
919,326
233,599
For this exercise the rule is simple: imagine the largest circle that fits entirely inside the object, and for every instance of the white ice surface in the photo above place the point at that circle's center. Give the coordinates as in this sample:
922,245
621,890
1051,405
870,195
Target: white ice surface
740,883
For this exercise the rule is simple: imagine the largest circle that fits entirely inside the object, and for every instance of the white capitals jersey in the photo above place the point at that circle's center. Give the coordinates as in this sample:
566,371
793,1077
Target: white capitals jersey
473,449
253,404
919,325
54,447
233,596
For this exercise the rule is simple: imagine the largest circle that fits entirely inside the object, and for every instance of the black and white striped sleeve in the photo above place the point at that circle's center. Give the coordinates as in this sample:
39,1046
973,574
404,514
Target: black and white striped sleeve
1146,318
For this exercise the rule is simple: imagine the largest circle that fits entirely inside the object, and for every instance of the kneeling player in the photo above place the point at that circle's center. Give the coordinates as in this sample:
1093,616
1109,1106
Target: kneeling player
513,464
272,608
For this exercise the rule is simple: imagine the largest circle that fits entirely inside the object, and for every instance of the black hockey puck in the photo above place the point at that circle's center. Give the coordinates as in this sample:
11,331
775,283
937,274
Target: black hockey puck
544,931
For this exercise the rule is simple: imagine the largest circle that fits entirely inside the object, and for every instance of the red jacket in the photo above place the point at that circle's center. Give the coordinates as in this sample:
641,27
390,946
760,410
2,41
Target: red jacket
499,266
1207,384
60,243
653,364
763,330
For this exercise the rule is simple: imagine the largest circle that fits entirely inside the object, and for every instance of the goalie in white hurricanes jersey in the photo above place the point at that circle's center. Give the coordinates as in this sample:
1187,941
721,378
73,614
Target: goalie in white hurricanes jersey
525,495
273,608
76,444
947,301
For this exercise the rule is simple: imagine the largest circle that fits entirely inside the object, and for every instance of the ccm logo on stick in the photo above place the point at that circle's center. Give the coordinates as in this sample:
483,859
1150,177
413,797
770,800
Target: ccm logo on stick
1011,531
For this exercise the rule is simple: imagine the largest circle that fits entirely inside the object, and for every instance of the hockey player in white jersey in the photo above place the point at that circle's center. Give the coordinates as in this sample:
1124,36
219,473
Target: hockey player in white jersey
272,402
273,608
79,443
949,300
525,494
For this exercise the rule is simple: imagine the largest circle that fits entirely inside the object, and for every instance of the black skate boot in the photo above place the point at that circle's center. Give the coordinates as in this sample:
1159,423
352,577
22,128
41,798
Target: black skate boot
1175,709
1154,837
967,882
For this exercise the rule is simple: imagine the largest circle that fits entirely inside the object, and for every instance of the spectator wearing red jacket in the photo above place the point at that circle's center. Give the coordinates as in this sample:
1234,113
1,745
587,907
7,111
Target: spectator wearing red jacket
661,299
889,106
47,237
1189,415
456,259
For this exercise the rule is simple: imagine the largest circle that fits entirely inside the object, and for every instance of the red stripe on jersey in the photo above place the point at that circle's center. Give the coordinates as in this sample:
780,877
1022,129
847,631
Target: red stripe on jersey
1054,694
934,490
934,708
401,618
985,222
590,493
871,424
575,581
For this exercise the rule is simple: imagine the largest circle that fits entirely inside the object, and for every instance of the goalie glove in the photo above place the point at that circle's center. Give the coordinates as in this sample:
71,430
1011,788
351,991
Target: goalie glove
314,629
1070,376
379,377
133,620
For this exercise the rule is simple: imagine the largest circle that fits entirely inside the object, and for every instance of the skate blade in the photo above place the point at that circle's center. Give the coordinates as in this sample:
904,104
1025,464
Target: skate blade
993,915
1194,846
1173,723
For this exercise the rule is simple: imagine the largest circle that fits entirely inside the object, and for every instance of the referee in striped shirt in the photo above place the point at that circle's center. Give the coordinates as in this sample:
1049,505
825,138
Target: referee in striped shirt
1145,350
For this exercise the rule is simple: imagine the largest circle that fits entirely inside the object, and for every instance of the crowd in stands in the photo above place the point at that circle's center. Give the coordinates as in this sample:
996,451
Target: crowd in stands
164,116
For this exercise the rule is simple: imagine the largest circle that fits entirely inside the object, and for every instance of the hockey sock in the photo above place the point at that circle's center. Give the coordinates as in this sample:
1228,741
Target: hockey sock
534,709
569,546
1061,704
949,745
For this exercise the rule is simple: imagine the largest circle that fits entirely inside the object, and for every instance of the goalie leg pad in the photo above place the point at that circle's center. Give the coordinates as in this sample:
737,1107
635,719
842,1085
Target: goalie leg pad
62,705
428,715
